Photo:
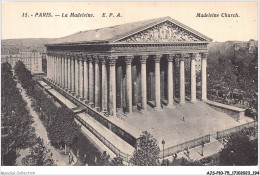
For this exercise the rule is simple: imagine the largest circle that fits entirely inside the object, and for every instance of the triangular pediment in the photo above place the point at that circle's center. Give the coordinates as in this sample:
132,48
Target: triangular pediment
166,31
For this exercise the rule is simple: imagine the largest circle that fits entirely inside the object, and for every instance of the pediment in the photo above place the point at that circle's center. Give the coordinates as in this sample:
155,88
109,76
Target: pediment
162,32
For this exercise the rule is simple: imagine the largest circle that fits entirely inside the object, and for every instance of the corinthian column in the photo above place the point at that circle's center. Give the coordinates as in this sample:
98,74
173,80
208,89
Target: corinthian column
128,61
204,76
97,83
143,60
85,64
77,76
62,71
81,74
69,72
91,80
193,77
65,72
112,86
48,66
59,69
182,80
73,58
104,83
157,59
170,80
56,69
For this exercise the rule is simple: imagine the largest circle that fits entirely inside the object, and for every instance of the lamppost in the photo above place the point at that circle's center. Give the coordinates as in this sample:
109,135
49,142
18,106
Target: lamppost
202,144
163,142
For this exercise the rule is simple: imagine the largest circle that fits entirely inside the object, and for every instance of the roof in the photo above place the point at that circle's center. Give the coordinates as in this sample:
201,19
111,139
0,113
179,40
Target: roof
10,51
114,33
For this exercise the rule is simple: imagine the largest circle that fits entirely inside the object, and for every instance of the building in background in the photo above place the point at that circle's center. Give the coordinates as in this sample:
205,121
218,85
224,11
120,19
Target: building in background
32,59
11,55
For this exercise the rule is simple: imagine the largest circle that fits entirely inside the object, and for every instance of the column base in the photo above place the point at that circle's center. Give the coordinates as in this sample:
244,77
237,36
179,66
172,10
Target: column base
182,102
143,111
204,99
170,106
81,98
72,93
193,101
157,108
98,109
105,113
91,104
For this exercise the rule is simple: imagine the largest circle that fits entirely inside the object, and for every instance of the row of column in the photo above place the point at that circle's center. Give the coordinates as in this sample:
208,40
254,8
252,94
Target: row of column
80,75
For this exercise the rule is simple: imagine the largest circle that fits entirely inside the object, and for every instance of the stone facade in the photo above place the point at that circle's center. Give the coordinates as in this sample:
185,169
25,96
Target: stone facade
131,70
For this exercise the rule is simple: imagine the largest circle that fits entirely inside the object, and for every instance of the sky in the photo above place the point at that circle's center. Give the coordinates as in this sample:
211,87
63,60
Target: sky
14,25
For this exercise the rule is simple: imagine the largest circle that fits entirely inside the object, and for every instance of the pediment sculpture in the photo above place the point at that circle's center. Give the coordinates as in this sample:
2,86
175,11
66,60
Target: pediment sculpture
164,32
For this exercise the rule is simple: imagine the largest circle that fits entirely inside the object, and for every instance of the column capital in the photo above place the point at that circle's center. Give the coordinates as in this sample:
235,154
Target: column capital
112,60
70,55
96,59
79,56
73,56
183,56
58,55
194,55
48,53
63,55
170,57
204,55
84,57
89,58
129,59
157,58
66,56
102,59
143,59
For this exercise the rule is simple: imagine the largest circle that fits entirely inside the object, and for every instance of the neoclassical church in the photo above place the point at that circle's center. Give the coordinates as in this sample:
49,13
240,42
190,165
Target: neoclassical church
129,66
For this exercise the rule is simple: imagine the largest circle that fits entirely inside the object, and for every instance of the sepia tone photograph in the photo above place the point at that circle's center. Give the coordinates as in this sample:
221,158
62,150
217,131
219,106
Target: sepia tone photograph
129,84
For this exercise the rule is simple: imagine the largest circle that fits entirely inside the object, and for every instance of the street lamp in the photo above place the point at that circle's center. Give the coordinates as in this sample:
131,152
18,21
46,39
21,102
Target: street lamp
202,144
163,142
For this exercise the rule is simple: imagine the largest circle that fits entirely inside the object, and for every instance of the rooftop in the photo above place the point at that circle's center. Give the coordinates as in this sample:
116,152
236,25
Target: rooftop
114,33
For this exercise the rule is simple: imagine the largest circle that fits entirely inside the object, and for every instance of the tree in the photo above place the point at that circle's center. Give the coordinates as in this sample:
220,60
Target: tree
25,76
239,151
16,120
117,161
146,152
38,156
63,129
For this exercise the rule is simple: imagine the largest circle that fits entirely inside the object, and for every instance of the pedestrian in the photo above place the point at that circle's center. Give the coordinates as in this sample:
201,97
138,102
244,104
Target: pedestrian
72,159
85,158
95,160
51,154
69,157
124,110
188,152
183,119
174,156
167,162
